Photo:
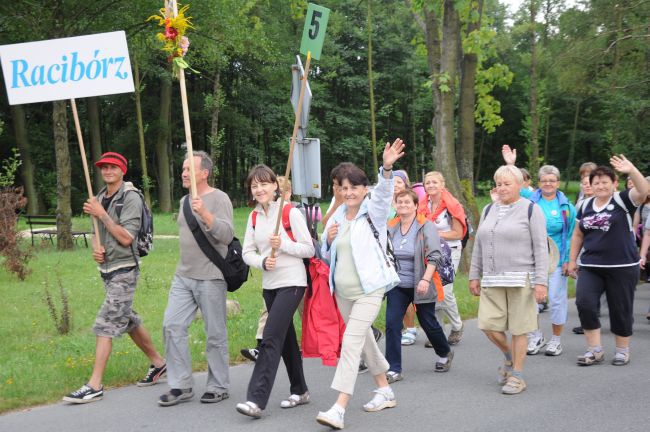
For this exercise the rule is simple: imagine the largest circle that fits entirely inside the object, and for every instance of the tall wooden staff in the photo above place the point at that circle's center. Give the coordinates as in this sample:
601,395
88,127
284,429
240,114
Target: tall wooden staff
186,111
96,240
313,36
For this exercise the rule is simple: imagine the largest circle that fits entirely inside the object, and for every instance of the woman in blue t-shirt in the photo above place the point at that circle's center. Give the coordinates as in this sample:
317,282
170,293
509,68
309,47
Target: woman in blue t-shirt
609,262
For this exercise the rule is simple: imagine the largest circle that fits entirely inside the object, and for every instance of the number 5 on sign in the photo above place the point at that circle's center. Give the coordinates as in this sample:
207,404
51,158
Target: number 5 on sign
313,34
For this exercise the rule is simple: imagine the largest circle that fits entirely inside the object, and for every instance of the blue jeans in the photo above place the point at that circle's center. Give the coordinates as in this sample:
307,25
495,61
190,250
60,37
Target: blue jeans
398,301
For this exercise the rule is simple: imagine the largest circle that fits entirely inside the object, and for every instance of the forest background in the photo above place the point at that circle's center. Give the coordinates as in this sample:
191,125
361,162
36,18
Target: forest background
563,83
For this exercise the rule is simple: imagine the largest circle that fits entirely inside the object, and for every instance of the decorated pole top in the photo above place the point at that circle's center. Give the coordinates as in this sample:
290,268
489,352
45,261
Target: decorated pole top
175,24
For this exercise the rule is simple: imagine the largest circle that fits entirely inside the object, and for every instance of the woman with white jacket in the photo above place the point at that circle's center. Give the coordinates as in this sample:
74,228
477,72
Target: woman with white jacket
284,281
354,241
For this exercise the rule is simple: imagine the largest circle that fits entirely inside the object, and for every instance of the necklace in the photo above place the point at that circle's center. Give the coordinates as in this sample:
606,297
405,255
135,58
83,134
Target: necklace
404,240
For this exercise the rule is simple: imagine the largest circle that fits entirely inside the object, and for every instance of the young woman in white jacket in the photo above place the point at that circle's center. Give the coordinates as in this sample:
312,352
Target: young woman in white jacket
354,241
284,280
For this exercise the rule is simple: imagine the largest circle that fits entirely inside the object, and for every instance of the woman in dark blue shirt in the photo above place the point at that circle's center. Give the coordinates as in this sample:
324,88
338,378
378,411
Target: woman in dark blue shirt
610,260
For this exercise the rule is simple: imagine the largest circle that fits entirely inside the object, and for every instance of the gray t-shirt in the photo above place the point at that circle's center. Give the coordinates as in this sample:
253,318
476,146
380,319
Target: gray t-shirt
404,247
193,263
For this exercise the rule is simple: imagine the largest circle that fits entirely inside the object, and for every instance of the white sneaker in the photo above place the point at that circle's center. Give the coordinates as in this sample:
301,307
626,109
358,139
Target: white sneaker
409,337
332,418
382,399
535,343
554,348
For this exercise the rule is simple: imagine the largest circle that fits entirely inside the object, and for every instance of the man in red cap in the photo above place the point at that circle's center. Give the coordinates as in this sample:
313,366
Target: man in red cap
119,214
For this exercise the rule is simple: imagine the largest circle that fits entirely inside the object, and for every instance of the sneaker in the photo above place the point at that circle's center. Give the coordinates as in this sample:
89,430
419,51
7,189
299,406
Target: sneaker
85,394
175,396
382,399
332,418
513,386
535,344
455,336
409,337
153,375
294,400
444,367
250,353
621,359
250,409
363,367
392,376
212,397
578,330
589,358
504,372
554,348
376,333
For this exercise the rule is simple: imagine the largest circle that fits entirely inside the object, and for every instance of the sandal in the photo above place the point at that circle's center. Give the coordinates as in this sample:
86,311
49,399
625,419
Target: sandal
513,386
589,358
621,359
174,396
381,400
444,367
408,338
504,373
250,409
294,400
211,397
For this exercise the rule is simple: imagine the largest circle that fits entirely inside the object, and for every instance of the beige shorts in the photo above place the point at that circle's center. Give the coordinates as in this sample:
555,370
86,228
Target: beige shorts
511,309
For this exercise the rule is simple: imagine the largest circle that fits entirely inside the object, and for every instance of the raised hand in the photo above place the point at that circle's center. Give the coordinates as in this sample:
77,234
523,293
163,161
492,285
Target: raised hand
332,231
509,155
392,153
621,164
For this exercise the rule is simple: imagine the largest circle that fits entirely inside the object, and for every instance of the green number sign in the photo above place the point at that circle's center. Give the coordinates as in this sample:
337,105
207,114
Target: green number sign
313,34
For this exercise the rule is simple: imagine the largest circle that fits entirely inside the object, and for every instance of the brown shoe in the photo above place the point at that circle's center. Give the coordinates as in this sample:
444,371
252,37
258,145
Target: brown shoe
444,367
455,336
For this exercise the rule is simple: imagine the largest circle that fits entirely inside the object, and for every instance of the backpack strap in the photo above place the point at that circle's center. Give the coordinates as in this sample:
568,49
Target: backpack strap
530,210
487,210
619,201
286,221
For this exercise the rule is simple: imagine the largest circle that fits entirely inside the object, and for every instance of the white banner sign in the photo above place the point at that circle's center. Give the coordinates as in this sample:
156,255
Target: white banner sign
74,67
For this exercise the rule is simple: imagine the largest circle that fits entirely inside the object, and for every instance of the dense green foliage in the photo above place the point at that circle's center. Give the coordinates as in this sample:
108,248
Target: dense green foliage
593,72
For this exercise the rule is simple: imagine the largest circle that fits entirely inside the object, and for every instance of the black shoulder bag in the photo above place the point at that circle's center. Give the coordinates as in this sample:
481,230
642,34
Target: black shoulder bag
234,269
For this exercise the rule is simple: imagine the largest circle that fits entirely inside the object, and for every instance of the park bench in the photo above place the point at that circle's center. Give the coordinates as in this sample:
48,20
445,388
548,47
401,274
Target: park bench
34,221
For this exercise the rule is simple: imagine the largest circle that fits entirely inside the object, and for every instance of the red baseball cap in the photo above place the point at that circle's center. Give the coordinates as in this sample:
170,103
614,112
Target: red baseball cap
113,159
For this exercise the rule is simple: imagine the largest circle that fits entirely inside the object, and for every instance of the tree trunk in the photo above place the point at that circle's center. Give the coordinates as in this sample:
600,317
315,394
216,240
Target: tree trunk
534,114
34,202
162,142
63,182
572,147
445,147
92,105
146,182
214,140
547,129
373,132
467,130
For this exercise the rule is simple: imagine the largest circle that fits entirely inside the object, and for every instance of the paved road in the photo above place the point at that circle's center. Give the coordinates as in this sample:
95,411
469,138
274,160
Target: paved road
560,396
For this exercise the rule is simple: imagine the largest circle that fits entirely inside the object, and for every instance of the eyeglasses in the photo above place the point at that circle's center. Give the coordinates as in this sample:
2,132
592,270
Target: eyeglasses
548,181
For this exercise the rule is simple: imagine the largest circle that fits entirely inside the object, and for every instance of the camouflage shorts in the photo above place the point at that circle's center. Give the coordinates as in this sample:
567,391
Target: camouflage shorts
116,316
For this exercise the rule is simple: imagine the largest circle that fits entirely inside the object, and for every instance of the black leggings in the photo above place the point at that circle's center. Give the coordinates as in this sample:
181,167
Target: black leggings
279,341
619,284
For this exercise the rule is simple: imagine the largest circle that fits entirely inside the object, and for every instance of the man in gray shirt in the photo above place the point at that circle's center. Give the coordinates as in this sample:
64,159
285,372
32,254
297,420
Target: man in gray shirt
199,284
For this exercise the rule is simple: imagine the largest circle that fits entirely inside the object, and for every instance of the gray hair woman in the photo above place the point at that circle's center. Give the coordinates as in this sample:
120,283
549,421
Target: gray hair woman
510,255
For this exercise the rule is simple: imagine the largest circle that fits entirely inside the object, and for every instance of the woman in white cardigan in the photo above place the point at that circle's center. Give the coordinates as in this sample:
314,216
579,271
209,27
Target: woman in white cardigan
354,241
284,281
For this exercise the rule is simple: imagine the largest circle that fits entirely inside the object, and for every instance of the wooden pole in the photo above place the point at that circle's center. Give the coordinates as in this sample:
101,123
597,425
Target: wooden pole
296,125
186,117
82,150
